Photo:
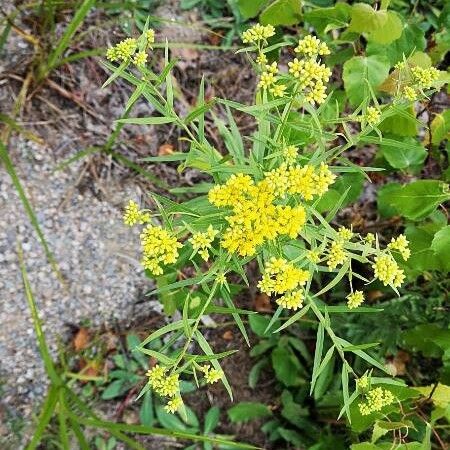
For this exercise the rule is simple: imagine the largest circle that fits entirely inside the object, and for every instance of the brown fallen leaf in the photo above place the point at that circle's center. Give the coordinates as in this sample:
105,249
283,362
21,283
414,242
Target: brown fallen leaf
81,339
262,303
165,149
374,295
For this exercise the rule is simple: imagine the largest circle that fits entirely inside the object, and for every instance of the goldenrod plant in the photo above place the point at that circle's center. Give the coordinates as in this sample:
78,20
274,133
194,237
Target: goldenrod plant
264,204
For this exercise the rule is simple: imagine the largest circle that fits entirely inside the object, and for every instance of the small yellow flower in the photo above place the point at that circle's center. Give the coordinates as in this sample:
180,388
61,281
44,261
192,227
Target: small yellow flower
150,36
296,67
370,238
267,79
272,68
409,93
159,246
211,374
257,33
363,383
291,300
134,215
290,154
372,115
355,299
401,245
311,46
387,271
221,278
123,50
281,276
345,234
278,90
376,399
201,241
261,59
425,77
313,256
140,59
173,405
336,255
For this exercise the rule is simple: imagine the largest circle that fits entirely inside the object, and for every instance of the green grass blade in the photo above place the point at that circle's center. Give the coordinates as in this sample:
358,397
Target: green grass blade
44,418
64,42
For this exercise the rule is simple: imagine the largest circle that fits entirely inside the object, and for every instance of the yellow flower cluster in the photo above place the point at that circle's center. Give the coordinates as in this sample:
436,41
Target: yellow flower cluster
158,247
278,90
363,383
201,241
280,276
311,46
162,383
291,300
376,399
355,299
400,243
312,77
387,271
166,386
313,256
134,215
345,234
424,77
290,154
150,37
122,51
173,405
306,181
336,255
257,33
261,59
409,93
140,58
255,217
266,80
372,115
370,238
211,374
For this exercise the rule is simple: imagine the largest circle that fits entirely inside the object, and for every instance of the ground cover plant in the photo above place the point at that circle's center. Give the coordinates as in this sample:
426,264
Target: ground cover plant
327,210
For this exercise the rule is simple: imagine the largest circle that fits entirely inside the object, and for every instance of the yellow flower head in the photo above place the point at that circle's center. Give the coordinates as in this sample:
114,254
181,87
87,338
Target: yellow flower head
159,246
401,245
290,154
370,238
425,77
272,68
336,255
409,93
173,405
267,79
281,276
387,271
311,46
150,36
257,33
134,215
211,374
363,383
372,115
345,234
261,59
376,399
201,241
140,58
278,90
123,50
355,299
221,278
313,256
291,300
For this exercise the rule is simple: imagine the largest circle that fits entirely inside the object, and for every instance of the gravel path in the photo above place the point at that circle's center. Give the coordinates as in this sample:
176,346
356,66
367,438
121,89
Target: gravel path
96,254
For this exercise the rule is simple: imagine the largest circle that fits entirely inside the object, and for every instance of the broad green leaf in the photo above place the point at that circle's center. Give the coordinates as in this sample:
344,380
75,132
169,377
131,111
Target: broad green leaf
420,198
402,123
211,419
360,72
286,366
389,31
244,411
385,207
401,158
255,371
441,245
282,12
365,19
250,8
440,127
146,413
326,19
440,394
